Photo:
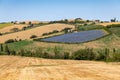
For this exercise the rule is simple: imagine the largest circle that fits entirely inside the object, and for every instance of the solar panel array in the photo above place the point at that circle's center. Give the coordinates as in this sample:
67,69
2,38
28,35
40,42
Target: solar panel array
77,37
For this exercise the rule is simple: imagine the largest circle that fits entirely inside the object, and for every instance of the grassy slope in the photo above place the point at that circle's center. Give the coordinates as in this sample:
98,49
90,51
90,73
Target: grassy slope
5,25
116,31
19,45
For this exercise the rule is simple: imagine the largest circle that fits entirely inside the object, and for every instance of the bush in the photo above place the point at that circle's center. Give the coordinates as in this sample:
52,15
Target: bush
44,34
1,34
55,31
9,41
66,55
84,54
33,36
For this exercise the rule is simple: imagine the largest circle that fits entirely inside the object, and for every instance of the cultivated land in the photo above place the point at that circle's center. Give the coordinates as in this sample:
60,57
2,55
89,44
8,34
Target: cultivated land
29,68
38,31
23,68
9,28
109,23
3,25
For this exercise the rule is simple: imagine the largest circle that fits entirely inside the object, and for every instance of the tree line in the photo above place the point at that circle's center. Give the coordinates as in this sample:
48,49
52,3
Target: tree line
81,54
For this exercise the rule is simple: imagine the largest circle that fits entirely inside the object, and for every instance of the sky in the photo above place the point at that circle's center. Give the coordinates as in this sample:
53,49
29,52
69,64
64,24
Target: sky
46,10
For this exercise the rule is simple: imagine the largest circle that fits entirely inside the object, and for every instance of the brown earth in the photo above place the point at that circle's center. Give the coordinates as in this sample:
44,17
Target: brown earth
38,31
23,68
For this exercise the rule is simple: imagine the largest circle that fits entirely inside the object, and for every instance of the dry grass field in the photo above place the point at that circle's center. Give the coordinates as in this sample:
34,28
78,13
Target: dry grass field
38,31
110,23
8,29
24,68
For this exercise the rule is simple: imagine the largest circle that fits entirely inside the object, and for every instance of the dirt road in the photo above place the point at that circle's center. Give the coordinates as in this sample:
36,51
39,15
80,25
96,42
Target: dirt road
22,68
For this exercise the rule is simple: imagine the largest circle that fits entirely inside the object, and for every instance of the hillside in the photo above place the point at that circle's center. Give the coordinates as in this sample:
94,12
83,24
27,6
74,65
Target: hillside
109,23
38,31
17,68
9,28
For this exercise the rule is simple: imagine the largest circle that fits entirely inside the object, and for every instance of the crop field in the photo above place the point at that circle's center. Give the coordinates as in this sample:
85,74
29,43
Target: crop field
77,37
38,31
10,27
24,68
109,23
3,25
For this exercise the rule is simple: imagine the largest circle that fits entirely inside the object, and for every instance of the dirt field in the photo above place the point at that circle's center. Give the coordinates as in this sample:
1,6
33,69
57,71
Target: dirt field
22,68
38,31
105,24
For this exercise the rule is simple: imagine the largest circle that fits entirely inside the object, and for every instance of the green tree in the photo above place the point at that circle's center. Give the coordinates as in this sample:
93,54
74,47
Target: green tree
1,47
7,50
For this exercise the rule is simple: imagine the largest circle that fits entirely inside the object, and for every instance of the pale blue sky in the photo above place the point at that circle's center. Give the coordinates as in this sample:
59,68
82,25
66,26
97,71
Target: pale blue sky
43,10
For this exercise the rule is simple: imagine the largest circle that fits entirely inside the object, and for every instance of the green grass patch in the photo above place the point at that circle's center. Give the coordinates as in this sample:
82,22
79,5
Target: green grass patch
19,45
115,30
2,25
89,27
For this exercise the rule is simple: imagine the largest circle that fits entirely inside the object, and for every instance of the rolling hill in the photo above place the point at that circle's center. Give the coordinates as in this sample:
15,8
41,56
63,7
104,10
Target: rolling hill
38,31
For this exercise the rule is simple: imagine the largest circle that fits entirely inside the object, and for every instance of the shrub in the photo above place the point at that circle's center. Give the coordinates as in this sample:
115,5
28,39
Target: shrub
44,34
66,55
14,29
84,54
33,36
9,41
55,31
1,34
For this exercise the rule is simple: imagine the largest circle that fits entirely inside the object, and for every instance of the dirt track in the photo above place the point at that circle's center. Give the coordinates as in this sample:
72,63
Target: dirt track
22,68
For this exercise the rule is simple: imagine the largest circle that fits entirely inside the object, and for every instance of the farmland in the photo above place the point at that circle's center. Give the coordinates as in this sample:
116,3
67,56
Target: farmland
96,59
38,31
17,68
3,25
109,23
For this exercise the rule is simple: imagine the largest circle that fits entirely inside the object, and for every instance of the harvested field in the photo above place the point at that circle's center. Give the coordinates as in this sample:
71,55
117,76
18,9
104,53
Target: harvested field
38,31
22,68
110,23
8,29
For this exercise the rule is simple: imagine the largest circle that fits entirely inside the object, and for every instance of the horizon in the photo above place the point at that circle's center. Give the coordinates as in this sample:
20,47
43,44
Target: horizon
50,10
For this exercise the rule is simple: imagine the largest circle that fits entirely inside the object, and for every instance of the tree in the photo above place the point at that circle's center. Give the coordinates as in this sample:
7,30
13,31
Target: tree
113,20
29,22
7,50
1,47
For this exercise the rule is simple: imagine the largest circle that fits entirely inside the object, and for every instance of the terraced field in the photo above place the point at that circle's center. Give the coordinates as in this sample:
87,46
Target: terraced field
23,68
